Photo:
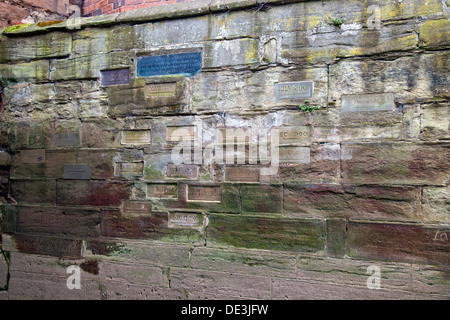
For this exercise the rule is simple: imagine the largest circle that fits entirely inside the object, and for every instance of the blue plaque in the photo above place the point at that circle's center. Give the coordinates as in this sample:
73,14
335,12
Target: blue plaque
188,64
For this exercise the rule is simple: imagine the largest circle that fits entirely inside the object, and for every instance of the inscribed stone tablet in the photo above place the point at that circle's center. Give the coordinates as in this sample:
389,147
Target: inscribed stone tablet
294,90
136,137
66,139
129,169
294,155
292,135
241,174
136,207
188,64
162,191
32,156
203,193
368,102
161,89
113,77
77,172
184,220
175,134
181,171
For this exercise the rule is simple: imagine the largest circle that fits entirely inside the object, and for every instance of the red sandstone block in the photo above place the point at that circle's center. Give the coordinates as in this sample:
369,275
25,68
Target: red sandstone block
53,246
33,191
399,242
153,226
92,193
57,221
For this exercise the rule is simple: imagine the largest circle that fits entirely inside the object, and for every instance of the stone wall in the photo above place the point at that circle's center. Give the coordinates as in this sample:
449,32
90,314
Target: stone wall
14,12
99,7
356,96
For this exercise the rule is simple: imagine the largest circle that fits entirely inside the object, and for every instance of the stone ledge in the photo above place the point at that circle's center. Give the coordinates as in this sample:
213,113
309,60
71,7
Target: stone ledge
156,13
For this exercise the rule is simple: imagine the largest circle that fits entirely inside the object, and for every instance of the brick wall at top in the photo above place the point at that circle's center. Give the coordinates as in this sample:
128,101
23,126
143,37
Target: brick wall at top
99,7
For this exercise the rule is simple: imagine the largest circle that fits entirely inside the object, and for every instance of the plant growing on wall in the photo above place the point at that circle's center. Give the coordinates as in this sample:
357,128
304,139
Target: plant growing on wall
337,22
306,107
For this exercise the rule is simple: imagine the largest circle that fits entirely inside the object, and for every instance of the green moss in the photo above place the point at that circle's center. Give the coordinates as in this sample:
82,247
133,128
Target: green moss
152,173
17,27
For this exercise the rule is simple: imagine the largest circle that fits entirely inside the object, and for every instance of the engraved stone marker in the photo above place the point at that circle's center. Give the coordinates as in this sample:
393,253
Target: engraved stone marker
77,172
188,64
294,90
136,137
293,135
32,156
176,134
294,155
162,191
161,89
368,102
136,207
204,193
129,169
66,139
184,220
114,77
182,171
241,174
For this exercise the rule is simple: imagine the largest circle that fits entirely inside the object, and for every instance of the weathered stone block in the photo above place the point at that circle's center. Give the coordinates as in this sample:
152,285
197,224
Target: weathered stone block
296,235
435,122
408,78
239,52
243,261
399,242
374,202
224,198
104,133
324,167
35,71
58,221
395,163
161,33
46,245
436,204
153,253
51,168
88,67
150,97
33,191
153,226
336,236
175,10
91,193
116,38
434,33
262,199
5,158
48,45
201,283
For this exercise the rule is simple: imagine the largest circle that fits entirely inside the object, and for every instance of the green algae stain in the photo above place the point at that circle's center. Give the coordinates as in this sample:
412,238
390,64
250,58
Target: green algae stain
16,27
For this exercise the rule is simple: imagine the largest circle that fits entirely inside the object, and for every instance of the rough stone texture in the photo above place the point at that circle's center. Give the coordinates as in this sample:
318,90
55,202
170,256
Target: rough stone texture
354,190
